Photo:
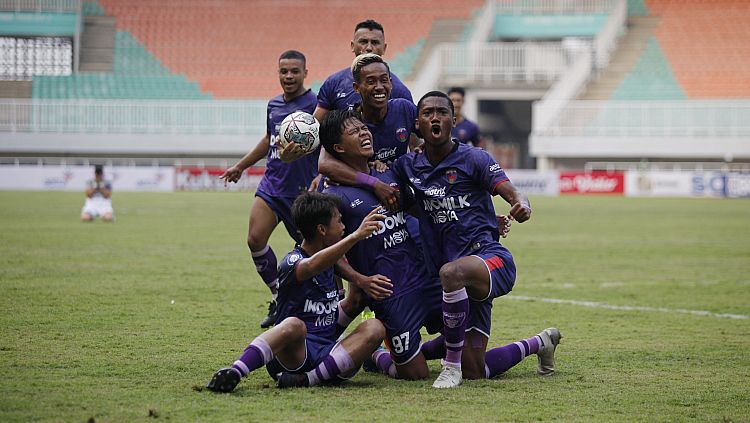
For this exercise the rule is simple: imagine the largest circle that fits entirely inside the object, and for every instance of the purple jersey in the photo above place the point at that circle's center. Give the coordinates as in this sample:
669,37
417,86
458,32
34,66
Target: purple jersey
314,301
393,250
391,136
467,132
287,179
454,198
337,92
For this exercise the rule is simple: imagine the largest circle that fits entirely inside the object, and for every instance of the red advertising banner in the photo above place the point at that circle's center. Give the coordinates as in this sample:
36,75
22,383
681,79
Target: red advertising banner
207,179
598,182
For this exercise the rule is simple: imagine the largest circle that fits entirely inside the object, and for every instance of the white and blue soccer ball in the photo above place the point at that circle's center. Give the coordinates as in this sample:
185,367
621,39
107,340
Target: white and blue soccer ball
302,129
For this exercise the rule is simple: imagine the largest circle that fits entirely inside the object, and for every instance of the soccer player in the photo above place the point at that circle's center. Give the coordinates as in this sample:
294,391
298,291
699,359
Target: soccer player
453,186
391,123
301,350
465,130
337,92
399,291
402,294
287,174
98,198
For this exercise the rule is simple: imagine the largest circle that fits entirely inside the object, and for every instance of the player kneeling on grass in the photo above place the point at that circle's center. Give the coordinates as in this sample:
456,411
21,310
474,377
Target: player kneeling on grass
301,350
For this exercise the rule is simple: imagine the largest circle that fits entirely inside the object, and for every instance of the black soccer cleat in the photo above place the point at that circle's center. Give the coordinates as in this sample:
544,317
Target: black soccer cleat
369,364
292,380
270,319
224,380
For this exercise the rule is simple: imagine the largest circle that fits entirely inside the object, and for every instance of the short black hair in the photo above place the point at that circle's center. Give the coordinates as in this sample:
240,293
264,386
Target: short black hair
436,94
293,54
332,128
98,170
371,25
365,59
311,209
458,90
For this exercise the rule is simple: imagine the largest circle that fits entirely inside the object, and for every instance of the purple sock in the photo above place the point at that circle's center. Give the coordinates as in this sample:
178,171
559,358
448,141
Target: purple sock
265,264
455,313
499,360
256,355
384,362
338,361
434,348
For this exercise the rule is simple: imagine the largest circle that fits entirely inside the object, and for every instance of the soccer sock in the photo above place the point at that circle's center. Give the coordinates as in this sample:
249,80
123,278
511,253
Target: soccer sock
265,264
342,322
455,312
499,360
434,348
338,361
256,355
384,362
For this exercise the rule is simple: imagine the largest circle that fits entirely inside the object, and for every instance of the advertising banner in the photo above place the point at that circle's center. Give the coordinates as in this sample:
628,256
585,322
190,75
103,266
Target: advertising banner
596,183
708,184
73,178
532,182
738,185
658,184
207,179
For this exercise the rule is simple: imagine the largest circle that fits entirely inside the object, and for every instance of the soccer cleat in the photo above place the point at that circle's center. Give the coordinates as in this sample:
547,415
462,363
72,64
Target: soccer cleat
550,337
270,319
450,377
292,380
224,380
369,364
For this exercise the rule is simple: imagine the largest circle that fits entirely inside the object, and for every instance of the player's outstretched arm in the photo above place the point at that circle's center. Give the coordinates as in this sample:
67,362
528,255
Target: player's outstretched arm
327,257
234,173
320,113
520,208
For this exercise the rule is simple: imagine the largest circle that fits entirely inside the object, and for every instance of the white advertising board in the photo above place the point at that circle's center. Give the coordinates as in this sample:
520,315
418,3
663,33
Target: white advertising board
73,178
658,184
532,182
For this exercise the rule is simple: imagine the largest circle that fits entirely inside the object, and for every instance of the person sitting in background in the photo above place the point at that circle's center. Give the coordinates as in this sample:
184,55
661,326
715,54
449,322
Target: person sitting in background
98,198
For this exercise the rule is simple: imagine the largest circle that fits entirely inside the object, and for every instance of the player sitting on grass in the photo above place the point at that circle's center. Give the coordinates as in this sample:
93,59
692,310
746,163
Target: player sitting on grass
453,185
302,349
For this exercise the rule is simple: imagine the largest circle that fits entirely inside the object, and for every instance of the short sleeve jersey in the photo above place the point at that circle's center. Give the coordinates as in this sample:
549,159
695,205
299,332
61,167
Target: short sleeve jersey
467,132
393,250
454,198
287,179
314,301
337,92
91,183
391,136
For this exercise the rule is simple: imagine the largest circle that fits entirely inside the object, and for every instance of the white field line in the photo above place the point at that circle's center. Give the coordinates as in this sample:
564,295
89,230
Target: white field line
593,304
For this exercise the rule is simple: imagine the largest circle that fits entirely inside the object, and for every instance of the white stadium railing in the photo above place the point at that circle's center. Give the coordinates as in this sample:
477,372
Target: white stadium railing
680,118
503,62
133,116
71,6
545,7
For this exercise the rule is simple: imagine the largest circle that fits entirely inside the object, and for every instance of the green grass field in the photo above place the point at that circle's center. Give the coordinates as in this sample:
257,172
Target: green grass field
88,329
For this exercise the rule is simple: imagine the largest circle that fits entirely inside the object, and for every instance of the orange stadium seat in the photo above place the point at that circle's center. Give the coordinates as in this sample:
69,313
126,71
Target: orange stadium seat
230,48
707,44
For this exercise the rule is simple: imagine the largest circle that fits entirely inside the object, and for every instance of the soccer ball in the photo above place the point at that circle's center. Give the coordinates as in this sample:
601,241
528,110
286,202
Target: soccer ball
301,128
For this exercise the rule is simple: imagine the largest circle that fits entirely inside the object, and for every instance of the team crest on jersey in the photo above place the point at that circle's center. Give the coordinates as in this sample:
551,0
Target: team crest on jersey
451,175
402,134
293,258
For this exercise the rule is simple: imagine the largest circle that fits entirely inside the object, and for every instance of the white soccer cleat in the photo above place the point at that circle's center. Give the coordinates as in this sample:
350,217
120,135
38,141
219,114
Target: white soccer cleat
546,355
450,377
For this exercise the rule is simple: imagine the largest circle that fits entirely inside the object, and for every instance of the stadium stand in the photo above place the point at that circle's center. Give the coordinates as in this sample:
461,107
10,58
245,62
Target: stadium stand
699,49
190,49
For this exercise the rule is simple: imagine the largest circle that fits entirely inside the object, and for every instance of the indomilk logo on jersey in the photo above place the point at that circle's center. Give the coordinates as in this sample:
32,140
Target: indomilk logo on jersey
390,223
442,210
326,311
